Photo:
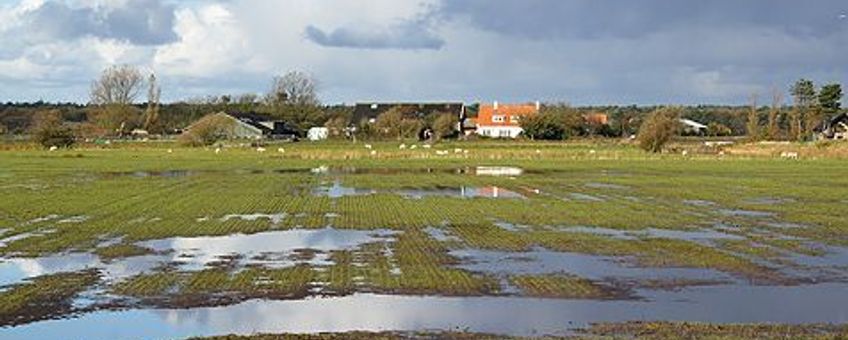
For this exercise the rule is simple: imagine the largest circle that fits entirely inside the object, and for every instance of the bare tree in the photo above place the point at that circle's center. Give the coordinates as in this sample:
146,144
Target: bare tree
296,88
119,84
753,125
151,115
774,115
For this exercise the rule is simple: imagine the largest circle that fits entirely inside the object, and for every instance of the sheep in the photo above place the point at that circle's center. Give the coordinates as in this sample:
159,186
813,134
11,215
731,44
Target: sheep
427,146
413,147
789,155
685,153
457,150
441,153
592,152
217,150
368,146
402,147
260,149
281,150
538,151
465,151
170,151
54,148
373,152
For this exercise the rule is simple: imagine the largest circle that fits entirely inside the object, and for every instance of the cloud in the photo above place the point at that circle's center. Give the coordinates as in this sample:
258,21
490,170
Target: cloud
408,35
140,22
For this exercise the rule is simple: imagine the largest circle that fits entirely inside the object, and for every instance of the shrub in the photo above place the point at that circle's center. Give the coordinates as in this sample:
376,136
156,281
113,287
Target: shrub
49,130
545,125
660,126
445,125
208,130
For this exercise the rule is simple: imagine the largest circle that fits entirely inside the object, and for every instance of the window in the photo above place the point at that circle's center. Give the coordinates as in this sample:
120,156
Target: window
504,133
498,119
514,119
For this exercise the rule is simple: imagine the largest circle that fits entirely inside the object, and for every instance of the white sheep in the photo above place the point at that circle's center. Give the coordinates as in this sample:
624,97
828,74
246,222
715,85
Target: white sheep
685,153
789,155
441,153
373,152
217,150
592,152
413,147
402,147
281,150
457,150
465,151
170,151
260,149
54,148
427,146
368,146
538,151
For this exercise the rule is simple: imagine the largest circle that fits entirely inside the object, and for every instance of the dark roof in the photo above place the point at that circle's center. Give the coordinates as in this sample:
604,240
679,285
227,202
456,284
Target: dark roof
419,110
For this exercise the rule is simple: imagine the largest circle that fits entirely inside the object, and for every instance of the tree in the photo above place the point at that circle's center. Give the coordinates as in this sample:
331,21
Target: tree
151,115
804,95
774,115
336,126
753,121
715,129
293,97
49,130
661,125
545,125
116,119
207,130
445,125
829,99
294,88
119,84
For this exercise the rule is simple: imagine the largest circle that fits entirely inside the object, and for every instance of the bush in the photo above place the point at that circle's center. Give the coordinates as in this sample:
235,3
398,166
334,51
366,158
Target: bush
545,125
445,125
49,130
660,126
208,130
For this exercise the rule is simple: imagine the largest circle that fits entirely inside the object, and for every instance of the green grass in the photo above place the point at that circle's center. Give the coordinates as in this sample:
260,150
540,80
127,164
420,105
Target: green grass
43,297
87,182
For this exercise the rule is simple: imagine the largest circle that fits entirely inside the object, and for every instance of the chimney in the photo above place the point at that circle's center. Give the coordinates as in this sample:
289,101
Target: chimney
538,105
496,105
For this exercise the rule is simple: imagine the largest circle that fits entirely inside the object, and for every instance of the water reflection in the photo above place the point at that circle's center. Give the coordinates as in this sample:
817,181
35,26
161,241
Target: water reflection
523,316
337,190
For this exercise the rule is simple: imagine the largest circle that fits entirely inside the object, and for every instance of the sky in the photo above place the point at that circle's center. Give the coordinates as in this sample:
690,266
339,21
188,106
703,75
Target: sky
582,52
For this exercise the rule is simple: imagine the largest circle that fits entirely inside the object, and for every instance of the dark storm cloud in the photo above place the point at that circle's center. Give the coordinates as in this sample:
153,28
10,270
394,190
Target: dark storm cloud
546,19
141,22
408,35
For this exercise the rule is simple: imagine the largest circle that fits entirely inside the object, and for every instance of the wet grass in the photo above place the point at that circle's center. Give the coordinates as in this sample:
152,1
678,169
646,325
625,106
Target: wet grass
633,191
43,297
564,287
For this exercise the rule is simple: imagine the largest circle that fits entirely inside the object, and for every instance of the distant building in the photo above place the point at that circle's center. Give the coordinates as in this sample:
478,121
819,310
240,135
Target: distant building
691,127
370,111
317,133
834,128
503,120
251,125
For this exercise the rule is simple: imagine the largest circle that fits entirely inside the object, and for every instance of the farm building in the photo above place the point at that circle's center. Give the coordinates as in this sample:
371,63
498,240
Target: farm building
834,128
370,111
503,120
250,125
691,127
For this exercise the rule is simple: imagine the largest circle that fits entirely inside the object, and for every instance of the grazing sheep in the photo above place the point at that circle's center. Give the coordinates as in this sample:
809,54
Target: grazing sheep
789,155
217,150
441,152
538,151
413,147
465,151
170,151
592,152
402,147
260,149
457,150
281,150
368,146
373,152
685,153
427,146
54,148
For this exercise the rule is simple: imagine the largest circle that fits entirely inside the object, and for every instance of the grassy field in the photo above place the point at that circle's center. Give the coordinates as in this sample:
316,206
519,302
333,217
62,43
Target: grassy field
106,200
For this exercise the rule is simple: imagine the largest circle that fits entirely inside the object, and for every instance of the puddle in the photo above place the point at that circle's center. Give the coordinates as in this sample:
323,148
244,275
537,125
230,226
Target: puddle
769,200
337,190
584,197
268,249
543,261
746,213
274,218
517,316
688,235
511,226
597,185
148,174
700,203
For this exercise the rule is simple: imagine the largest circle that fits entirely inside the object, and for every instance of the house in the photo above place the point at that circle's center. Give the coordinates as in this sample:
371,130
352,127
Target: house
251,125
503,120
370,111
834,128
691,127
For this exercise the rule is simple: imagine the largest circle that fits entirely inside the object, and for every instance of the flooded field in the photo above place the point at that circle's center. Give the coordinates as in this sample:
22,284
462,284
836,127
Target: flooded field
295,246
